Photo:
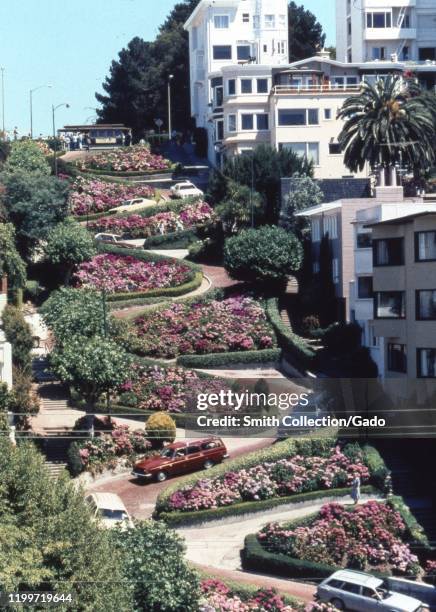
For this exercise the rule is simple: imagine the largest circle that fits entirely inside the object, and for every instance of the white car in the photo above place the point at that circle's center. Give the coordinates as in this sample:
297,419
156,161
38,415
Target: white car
134,204
111,238
109,508
350,590
186,189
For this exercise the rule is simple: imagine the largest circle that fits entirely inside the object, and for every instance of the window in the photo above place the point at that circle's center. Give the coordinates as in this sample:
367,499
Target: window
281,47
193,449
305,149
262,85
262,121
427,53
231,87
364,287
282,21
327,114
245,17
388,252
315,267
290,117
335,148
246,86
247,121
364,239
313,116
426,305
405,54
426,358
335,584
218,96
265,48
349,27
256,22
425,246
316,230
232,123
390,305
335,270
379,20
350,587
219,130
244,52
270,21
330,224
222,52
379,53
221,22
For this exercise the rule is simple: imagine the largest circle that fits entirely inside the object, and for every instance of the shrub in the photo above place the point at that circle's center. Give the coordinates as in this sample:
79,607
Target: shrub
160,428
74,460
262,255
342,337
294,345
69,244
26,155
217,360
310,324
18,333
130,159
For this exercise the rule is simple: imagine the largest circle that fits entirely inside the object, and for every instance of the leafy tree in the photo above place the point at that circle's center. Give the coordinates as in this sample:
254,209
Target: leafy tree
50,542
18,333
263,169
388,124
34,203
240,209
156,570
73,313
26,156
160,428
304,193
69,244
92,366
136,88
265,255
305,33
10,260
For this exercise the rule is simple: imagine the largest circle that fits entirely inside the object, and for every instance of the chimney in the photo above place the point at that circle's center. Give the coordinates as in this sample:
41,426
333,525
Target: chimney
323,54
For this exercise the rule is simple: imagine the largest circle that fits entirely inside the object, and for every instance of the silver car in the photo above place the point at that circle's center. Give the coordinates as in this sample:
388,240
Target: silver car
349,590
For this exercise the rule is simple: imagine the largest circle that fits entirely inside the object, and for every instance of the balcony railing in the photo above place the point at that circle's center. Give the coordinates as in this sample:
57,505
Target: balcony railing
325,88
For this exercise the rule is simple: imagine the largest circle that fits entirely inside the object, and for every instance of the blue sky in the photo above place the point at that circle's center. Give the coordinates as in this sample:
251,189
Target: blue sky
70,44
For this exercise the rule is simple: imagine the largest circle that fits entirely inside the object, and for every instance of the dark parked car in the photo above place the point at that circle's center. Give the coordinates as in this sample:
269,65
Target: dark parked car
182,457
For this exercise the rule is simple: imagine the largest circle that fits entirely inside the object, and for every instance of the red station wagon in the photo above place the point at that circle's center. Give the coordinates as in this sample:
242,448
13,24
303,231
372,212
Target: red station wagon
182,457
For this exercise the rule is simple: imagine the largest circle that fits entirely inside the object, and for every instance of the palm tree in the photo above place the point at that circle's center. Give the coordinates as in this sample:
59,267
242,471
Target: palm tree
388,123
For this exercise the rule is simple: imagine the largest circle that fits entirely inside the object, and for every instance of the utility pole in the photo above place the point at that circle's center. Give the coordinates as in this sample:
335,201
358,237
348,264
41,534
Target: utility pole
170,127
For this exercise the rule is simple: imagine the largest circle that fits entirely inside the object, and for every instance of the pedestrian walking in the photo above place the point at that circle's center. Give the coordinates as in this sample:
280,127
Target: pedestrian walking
355,489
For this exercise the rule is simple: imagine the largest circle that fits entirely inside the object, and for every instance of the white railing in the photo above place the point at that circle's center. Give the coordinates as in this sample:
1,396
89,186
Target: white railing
324,88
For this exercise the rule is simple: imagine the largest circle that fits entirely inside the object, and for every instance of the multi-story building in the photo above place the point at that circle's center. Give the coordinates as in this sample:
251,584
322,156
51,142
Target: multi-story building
345,222
404,285
376,30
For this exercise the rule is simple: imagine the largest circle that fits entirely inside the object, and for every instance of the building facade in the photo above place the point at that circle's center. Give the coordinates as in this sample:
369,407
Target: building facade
5,347
376,30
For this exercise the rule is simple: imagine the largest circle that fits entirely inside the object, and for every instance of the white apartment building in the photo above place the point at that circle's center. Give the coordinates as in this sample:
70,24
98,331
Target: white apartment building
376,30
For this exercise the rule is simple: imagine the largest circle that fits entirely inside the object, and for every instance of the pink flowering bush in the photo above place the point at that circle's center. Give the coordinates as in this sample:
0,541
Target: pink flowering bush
90,196
169,389
296,474
366,537
217,596
129,159
212,326
126,274
107,449
138,226
430,572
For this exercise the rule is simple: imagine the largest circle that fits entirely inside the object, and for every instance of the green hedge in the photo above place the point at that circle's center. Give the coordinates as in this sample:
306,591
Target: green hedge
291,343
176,519
376,466
257,559
216,360
99,172
306,446
196,276
415,533
93,216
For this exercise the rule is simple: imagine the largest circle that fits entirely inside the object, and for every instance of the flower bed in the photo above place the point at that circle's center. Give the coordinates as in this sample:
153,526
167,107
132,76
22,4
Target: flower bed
366,537
138,226
166,389
209,326
91,196
126,274
107,450
129,159
219,596
287,476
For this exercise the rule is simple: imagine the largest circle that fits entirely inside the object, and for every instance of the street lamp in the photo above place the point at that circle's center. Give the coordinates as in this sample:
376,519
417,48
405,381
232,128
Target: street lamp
31,105
3,101
170,78
53,110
